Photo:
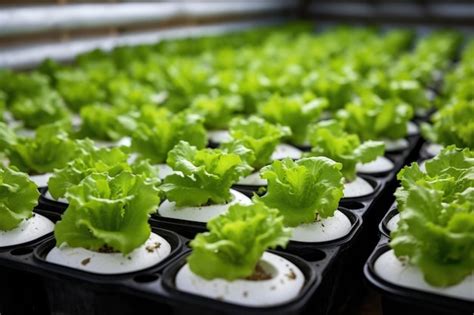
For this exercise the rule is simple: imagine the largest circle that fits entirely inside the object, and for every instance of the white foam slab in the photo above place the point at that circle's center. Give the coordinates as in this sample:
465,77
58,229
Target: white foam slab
324,230
29,230
357,188
286,283
380,165
389,268
168,209
154,250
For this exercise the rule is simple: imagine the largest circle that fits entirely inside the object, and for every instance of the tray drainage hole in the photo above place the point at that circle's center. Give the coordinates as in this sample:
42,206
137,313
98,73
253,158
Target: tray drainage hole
352,205
21,251
146,278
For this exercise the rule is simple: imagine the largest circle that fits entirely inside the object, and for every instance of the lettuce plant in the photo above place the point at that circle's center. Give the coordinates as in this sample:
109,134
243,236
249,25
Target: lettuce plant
410,92
108,213
18,197
259,136
217,110
203,176
19,85
236,241
100,121
437,236
328,139
293,112
159,131
33,111
453,124
77,88
303,190
7,137
50,149
436,227
372,118
451,172
90,159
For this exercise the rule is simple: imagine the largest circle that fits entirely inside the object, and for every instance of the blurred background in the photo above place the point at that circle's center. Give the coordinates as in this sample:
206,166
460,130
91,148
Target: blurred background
31,31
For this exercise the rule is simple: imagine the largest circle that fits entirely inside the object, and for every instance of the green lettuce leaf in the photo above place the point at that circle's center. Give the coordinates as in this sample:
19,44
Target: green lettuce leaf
18,197
329,139
78,88
217,110
7,137
90,159
259,136
293,112
451,172
105,122
372,118
34,111
160,130
204,176
437,236
236,241
303,190
453,124
108,213
22,84
50,149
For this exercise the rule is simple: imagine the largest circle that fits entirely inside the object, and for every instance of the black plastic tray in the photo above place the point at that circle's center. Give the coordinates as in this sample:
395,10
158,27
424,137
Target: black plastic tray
71,291
22,292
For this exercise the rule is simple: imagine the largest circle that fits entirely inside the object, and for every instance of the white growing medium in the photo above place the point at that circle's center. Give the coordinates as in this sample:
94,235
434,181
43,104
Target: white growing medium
168,209
76,120
126,141
164,170
253,179
324,230
359,187
29,133
48,196
283,151
286,283
154,250
433,149
395,145
422,166
380,165
389,268
219,136
412,129
392,224
28,230
41,180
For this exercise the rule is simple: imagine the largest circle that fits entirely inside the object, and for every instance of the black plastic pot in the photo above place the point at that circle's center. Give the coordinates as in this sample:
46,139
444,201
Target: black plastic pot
23,292
401,300
96,294
189,303
384,230
48,203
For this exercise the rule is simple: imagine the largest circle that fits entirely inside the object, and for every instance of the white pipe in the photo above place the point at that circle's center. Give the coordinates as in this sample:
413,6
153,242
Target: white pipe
36,19
30,55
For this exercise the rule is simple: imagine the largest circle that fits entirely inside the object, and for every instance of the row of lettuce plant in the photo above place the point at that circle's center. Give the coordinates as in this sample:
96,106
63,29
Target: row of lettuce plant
279,84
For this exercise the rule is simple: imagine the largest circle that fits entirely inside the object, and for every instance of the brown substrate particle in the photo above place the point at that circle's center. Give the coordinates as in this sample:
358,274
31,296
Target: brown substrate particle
291,275
86,261
151,248
259,274
106,249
